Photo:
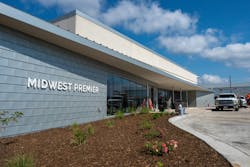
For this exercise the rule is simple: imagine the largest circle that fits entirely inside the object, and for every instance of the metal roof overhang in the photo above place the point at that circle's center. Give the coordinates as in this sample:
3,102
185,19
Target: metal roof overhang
41,29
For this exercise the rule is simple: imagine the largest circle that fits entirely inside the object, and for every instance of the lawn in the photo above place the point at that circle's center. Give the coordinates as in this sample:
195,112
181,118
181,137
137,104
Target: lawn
113,142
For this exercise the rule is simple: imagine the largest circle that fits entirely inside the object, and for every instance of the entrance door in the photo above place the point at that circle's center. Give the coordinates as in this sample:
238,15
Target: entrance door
153,96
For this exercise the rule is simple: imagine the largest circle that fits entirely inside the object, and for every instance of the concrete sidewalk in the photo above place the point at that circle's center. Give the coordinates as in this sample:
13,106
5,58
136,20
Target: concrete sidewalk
227,132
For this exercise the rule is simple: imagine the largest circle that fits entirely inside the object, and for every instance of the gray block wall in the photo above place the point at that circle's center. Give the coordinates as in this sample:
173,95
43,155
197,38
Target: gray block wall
204,99
21,57
191,98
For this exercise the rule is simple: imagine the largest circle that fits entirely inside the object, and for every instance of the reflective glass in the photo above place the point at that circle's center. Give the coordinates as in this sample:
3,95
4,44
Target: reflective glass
124,94
165,99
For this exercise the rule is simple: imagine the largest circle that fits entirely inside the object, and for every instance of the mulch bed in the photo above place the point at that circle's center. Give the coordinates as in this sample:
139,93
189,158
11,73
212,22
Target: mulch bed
121,145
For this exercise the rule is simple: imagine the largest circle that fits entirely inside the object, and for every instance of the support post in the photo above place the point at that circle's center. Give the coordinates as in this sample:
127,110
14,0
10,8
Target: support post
147,94
173,94
181,94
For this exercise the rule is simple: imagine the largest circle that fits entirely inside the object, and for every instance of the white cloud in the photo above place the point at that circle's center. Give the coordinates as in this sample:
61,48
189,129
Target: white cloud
232,54
148,18
194,44
208,46
207,79
91,7
237,50
176,30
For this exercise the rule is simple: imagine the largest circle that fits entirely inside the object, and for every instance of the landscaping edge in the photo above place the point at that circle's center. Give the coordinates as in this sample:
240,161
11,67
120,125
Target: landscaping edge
239,159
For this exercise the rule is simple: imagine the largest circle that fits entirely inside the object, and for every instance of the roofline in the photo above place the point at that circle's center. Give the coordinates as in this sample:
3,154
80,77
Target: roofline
19,16
222,86
97,22
227,93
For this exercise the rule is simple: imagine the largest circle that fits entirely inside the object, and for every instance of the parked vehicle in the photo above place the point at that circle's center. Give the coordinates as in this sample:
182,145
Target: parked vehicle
248,98
242,101
227,100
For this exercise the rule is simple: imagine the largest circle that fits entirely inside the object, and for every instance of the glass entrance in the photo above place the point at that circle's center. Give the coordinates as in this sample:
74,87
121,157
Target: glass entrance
124,95
153,98
165,99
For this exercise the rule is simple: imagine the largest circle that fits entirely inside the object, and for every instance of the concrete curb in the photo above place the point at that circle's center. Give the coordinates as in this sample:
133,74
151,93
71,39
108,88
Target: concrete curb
233,155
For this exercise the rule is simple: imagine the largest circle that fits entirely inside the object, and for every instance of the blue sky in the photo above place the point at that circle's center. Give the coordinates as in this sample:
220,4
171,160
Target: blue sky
210,38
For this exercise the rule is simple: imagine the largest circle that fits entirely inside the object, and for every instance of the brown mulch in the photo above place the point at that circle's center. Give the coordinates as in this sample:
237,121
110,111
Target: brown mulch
121,145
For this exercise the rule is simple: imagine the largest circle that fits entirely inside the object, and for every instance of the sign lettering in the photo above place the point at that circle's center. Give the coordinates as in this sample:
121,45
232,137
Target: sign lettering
61,86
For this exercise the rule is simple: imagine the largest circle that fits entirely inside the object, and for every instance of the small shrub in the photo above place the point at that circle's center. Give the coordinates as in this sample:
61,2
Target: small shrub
160,148
152,134
144,110
90,129
131,109
79,136
119,114
21,161
156,115
110,124
74,126
172,144
146,124
156,148
159,164
6,117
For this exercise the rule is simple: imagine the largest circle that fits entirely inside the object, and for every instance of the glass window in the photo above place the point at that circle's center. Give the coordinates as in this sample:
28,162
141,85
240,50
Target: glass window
124,94
184,98
165,100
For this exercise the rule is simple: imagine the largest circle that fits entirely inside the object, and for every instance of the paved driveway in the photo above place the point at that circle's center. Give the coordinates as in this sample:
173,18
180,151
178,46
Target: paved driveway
227,131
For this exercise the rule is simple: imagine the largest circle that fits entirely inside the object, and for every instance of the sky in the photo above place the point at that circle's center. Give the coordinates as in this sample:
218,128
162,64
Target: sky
211,38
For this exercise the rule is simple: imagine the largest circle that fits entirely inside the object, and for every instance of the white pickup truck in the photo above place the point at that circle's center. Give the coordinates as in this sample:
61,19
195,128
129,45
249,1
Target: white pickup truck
227,100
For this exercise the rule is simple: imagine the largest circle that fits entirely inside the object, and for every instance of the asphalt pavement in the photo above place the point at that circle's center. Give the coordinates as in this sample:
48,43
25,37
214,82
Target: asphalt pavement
228,131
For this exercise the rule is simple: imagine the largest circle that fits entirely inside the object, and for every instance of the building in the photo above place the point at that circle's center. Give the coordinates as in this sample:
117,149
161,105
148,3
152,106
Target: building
241,89
79,70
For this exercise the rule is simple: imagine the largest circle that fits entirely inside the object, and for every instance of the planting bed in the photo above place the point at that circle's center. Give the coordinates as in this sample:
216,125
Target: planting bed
120,145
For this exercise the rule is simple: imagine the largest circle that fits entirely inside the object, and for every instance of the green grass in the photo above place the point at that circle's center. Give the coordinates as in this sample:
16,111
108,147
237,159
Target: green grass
110,123
145,124
152,134
90,129
21,161
79,136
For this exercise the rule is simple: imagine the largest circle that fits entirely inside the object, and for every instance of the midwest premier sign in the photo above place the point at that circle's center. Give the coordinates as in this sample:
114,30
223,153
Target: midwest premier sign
61,86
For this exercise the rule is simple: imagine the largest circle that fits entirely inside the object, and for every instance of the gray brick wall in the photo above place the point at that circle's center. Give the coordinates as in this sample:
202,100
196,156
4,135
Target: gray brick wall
22,57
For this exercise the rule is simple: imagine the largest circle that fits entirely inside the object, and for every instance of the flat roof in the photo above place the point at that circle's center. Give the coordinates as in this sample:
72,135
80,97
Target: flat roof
88,27
48,32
